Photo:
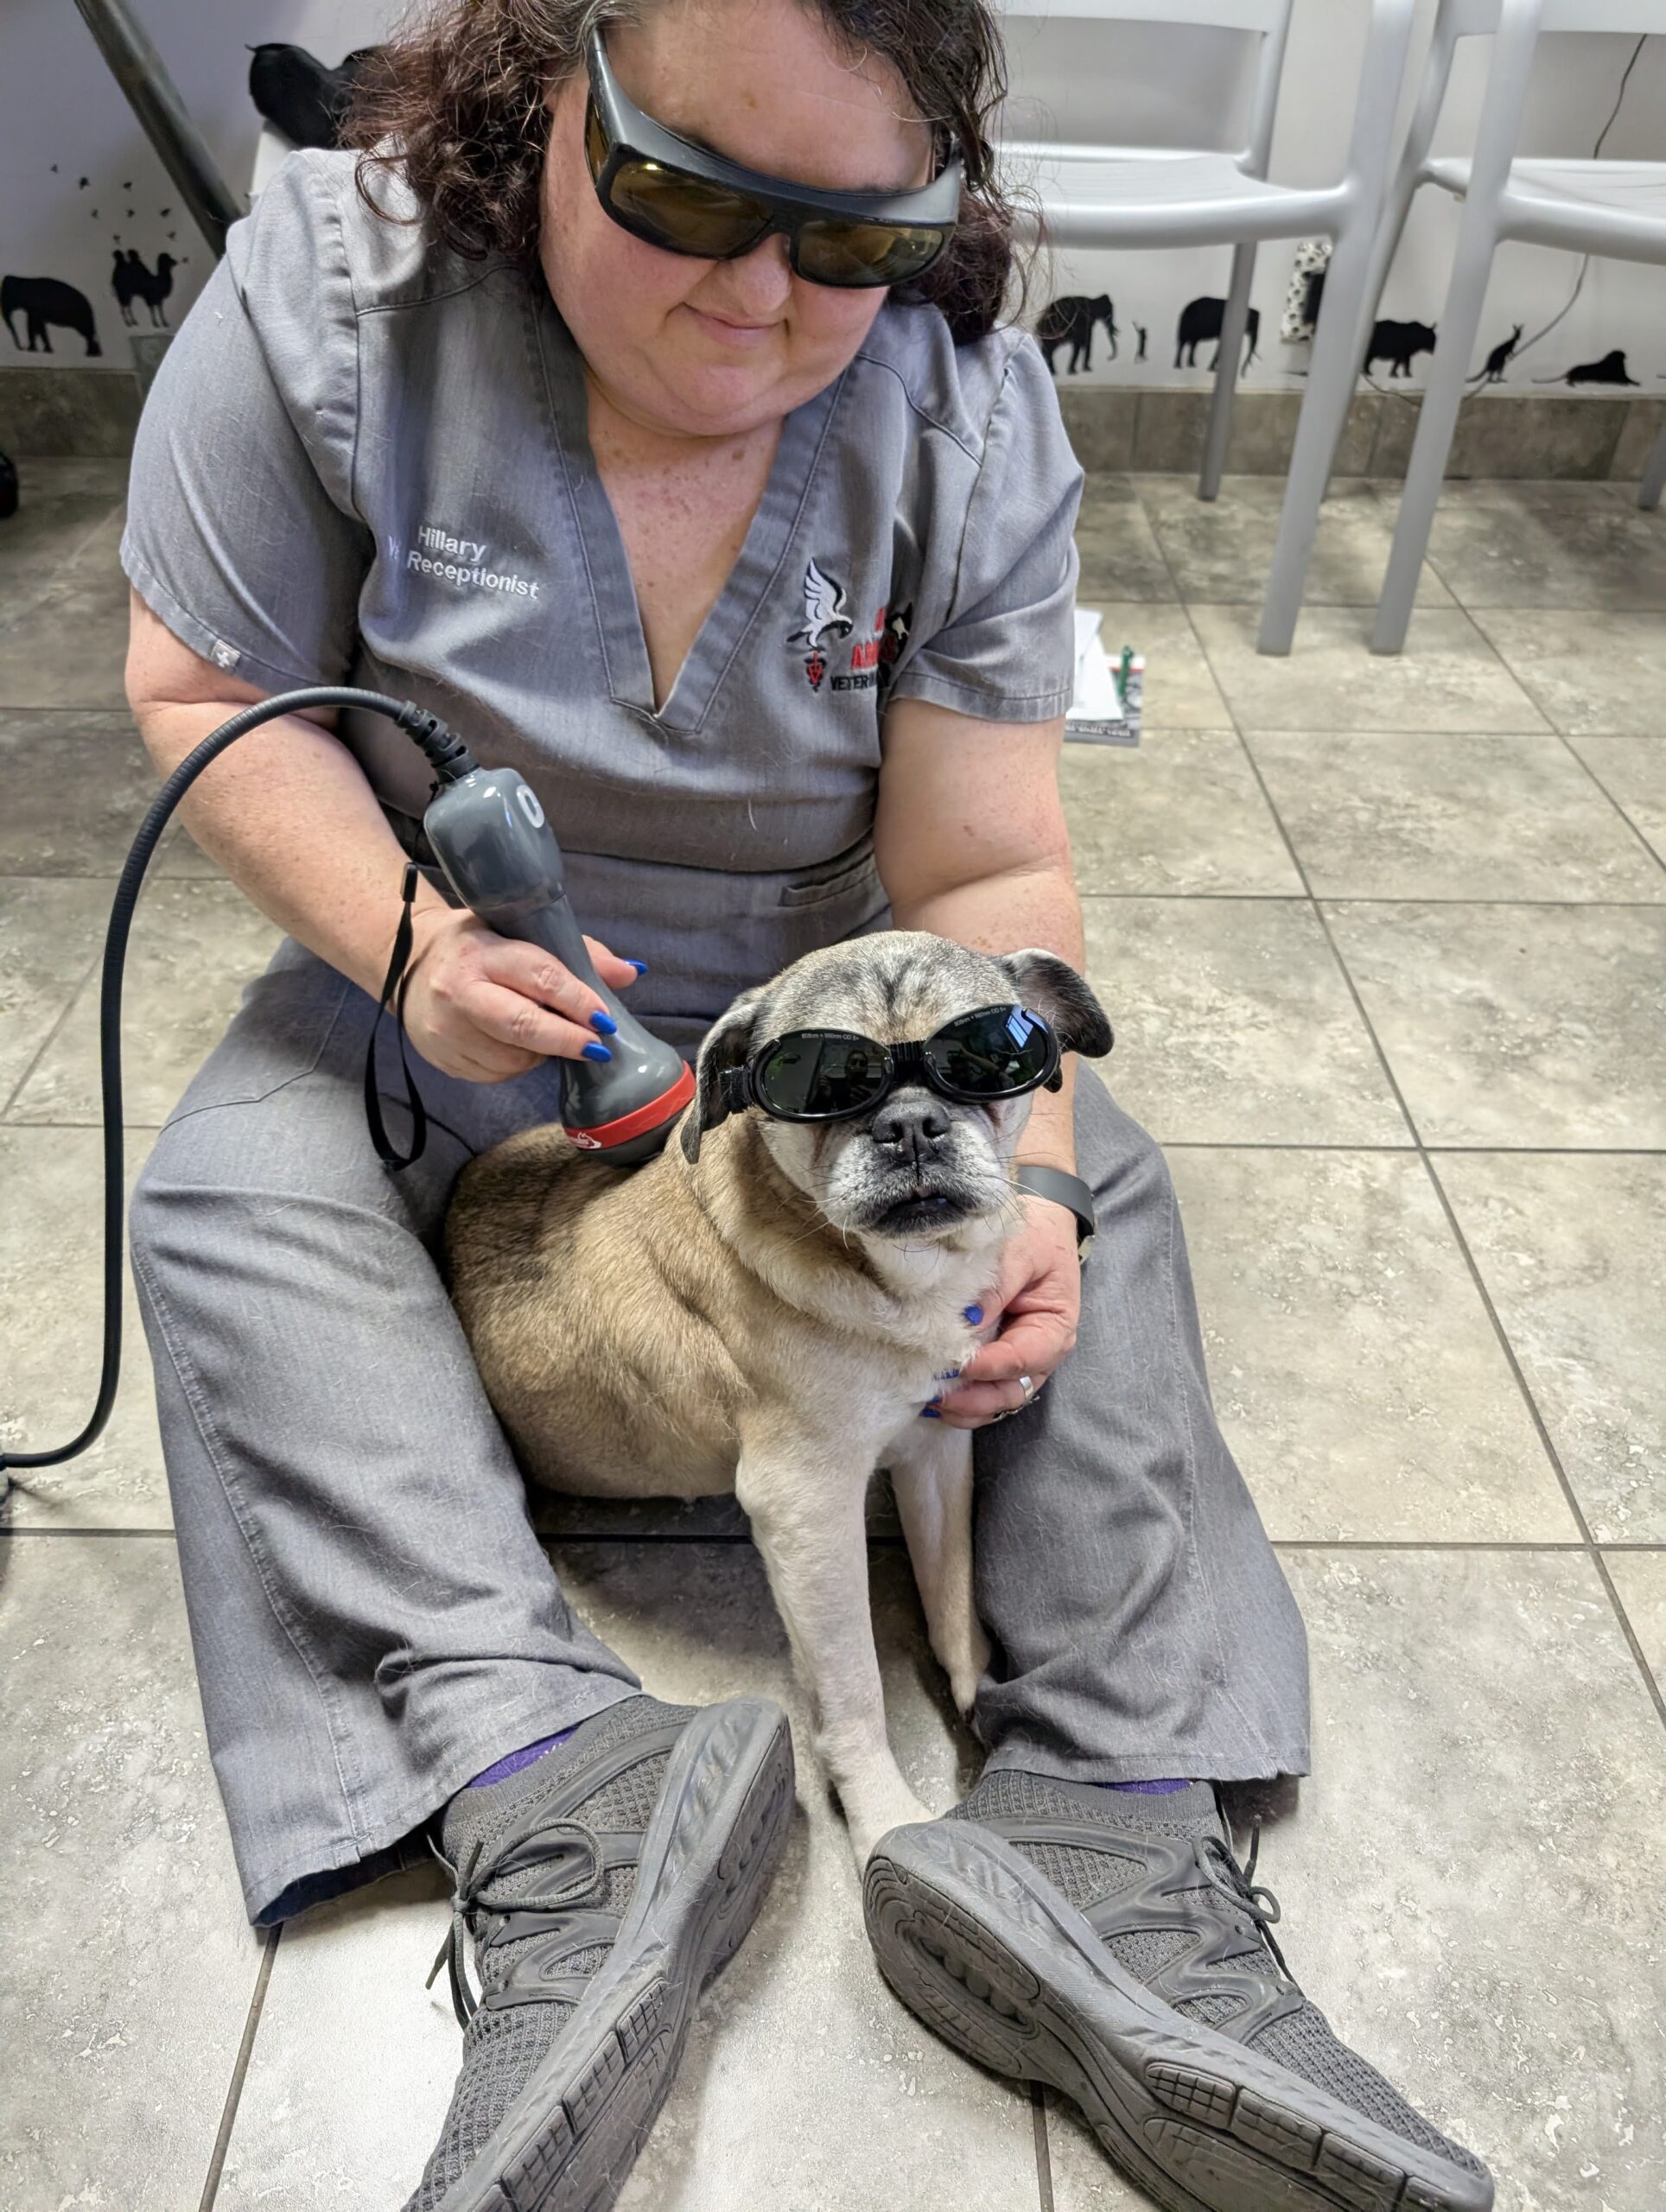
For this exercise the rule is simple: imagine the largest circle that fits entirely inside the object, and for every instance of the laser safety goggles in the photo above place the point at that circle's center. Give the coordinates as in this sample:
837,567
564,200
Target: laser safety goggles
676,195
825,1075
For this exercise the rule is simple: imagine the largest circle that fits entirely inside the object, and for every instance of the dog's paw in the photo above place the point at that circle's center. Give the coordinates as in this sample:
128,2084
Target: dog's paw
966,1667
875,1815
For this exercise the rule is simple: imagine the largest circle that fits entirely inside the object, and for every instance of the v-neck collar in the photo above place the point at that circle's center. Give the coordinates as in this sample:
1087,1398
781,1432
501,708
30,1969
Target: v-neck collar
745,590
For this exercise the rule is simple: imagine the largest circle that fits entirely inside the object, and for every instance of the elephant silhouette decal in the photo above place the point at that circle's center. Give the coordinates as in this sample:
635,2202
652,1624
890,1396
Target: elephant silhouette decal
43,302
131,280
1200,325
1070,320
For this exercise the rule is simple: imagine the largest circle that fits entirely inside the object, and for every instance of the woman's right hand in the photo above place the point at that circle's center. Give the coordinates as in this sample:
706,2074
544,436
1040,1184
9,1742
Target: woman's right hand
486,1007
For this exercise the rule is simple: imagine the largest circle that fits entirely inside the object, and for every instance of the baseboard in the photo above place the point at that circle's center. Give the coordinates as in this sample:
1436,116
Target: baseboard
94,410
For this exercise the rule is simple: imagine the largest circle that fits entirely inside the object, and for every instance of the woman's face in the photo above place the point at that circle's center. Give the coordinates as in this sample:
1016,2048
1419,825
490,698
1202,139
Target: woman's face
715,348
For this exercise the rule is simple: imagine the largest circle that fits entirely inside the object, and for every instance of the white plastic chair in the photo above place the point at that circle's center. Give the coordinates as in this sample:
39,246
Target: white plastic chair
1607,207
1120,197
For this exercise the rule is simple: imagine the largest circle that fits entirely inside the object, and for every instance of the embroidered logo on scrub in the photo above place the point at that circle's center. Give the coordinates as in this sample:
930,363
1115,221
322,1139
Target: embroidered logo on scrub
460,562
872,659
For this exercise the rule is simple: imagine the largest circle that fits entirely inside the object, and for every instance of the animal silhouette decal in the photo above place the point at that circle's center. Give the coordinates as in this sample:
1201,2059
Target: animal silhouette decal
1500,358
1069,320
1399,344
42,302
1200,325
1610,370
130,280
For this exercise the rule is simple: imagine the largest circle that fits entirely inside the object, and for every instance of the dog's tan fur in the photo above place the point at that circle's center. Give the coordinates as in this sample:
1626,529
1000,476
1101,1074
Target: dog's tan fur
701,1327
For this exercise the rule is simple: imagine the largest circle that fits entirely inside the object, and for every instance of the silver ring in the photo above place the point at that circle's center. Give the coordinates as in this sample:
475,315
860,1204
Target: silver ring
1027,1387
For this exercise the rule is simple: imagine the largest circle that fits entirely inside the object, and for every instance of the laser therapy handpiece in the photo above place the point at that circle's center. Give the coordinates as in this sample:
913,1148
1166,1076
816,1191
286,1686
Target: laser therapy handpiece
488,832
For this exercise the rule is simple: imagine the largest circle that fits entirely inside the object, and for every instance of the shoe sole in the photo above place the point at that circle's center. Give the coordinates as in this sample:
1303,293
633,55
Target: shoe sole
978,1945
711,1850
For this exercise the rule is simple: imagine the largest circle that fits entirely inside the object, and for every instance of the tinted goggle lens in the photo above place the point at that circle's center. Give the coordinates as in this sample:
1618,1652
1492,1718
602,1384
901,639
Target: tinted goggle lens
849,253
991,1054
684,213
808,1074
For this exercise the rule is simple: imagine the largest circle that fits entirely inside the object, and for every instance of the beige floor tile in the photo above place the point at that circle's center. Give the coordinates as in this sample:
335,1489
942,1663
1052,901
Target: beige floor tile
1471,1884
50,933
46,532
1354,1371
1412,816
78,783
53,476
195,945
1532,546
128,1965
69,646
1448,678
1573,1252
1179,812
1632,771
52,1328
1180,691
1121,557
1640,1579
804,2083
1233,1024
1534,1026
1594,674
1220,551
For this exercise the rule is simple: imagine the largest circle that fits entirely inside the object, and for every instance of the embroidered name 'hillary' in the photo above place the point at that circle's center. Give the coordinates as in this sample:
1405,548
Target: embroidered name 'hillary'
467,569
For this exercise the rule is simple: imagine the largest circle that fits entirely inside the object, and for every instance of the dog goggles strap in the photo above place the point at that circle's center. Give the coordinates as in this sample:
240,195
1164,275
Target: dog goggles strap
394,987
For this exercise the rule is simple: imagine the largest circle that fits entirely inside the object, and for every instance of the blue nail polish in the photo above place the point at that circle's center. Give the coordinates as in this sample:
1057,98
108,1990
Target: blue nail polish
640,966
929,1413
605,1023
974,1314
597,1053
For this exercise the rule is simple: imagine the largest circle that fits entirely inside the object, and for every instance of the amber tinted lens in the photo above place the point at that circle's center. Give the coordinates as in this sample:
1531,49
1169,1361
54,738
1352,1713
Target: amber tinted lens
994,1054
683,213
833,252
806,1075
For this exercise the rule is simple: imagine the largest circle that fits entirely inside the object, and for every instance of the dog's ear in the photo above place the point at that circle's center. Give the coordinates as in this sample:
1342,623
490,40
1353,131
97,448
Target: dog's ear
1052,987
727,1045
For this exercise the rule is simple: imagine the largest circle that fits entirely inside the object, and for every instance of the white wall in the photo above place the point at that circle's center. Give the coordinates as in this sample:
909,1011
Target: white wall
58,105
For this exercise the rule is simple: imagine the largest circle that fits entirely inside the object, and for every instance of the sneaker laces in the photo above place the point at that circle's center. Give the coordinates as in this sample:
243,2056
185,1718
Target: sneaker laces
534,1912
1237,1885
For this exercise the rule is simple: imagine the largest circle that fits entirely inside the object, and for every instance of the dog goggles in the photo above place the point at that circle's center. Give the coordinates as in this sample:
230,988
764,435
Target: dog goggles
675,194
824,1075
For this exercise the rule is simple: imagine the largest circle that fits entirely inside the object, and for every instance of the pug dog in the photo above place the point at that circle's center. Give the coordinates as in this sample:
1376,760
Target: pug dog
765,1306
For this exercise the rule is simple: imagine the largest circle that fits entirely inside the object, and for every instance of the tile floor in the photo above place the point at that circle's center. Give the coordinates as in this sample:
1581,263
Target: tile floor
1385,944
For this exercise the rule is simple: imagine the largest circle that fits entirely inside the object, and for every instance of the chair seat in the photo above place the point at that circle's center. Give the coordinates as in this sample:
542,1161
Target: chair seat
1117,195
1598,207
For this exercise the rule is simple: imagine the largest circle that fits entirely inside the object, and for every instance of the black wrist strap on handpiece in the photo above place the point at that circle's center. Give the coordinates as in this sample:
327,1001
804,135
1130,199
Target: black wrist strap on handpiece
1066,1191
393,997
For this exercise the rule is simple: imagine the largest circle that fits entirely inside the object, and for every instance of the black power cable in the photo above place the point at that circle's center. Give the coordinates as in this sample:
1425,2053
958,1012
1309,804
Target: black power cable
449,758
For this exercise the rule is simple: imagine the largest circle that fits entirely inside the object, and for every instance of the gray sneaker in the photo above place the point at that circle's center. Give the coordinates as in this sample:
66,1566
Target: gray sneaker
1123,1956
603,1886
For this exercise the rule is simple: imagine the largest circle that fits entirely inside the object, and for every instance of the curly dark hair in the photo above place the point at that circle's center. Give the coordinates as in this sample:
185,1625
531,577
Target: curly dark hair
455,103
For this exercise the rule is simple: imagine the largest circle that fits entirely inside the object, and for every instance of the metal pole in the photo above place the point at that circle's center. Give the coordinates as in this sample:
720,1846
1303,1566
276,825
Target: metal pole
137,69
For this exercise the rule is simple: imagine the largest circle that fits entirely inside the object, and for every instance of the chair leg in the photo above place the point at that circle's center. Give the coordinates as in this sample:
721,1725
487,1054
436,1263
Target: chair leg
1235,320
1460,322
1654,477
1318,431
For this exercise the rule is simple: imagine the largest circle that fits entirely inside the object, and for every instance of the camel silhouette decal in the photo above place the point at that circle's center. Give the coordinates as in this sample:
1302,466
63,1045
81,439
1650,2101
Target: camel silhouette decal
131,280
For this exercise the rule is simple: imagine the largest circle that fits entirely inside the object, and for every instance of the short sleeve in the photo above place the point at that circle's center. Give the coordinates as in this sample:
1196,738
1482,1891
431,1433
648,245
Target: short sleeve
1007,653
241,534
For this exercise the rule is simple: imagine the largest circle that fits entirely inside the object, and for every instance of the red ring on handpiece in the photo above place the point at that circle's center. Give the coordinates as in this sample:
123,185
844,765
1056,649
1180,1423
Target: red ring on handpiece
605,1134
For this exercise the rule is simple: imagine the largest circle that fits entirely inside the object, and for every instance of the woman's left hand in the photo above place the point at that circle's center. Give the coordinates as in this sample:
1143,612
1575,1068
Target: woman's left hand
1036,1299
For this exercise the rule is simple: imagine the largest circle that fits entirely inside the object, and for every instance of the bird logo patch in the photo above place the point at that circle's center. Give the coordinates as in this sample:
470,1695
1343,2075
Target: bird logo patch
824,618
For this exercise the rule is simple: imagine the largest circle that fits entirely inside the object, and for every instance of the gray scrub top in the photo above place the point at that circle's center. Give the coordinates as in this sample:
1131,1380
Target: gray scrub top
365,460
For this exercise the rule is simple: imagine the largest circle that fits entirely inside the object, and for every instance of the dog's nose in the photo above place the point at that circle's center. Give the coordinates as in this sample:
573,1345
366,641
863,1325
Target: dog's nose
911,1127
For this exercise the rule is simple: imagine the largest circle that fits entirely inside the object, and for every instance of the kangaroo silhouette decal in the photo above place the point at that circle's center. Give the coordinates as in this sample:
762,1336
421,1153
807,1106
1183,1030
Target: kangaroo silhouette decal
1610,370
1069,320
1399,344
1501,356
130,280
1200,324
41,301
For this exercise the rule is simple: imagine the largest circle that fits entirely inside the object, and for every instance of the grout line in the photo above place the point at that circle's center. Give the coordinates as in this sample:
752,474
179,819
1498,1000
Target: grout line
23,1528
1043,2152
50,1039
1659,859
1291,898
239,2068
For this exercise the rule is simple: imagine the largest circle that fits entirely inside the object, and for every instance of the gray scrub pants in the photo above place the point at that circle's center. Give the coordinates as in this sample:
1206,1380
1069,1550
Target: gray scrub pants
374,1620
